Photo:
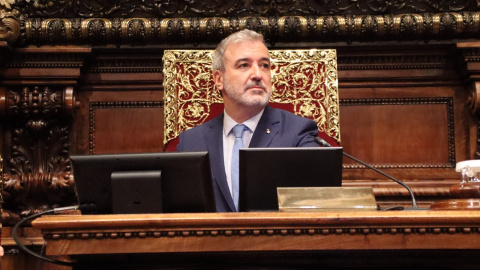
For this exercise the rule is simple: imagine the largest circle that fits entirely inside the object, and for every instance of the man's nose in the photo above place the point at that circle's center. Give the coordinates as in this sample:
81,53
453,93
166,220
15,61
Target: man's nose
256,73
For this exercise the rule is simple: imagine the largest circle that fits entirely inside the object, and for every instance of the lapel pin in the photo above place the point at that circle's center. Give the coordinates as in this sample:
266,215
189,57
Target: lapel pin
268,131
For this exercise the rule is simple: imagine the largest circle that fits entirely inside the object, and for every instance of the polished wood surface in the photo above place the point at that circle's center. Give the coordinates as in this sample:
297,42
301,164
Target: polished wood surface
262,234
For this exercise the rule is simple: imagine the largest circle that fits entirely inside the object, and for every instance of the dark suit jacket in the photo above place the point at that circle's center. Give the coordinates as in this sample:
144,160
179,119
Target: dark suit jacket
286,130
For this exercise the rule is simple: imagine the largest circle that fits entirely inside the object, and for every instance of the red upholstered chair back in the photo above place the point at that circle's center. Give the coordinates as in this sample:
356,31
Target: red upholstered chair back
304,82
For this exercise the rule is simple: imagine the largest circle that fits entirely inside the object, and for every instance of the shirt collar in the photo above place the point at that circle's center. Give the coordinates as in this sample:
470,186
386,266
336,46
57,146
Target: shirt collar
229,123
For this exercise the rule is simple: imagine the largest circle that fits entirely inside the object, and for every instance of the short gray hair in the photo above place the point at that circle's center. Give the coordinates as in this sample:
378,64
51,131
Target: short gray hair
218,61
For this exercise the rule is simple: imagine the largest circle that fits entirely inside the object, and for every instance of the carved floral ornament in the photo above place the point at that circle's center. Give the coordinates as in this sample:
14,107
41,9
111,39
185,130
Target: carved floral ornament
305,79
9,24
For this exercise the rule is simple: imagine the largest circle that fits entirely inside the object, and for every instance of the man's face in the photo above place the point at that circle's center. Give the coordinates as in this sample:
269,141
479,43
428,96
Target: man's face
247,78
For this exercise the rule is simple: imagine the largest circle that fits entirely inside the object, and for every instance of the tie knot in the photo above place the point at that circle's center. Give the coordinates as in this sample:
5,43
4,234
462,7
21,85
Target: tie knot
238,130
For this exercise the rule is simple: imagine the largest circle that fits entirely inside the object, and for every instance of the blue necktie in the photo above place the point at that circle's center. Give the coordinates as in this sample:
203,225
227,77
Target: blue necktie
238,132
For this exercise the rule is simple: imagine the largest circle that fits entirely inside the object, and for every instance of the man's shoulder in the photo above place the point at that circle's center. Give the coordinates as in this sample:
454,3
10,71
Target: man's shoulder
203,127
195,138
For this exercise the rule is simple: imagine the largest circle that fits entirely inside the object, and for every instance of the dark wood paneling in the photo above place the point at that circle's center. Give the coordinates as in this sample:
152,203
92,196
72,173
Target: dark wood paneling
119,122
418,132
121,127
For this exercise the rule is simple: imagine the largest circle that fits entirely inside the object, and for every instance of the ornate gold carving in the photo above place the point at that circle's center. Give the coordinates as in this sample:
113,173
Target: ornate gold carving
136,29
175,28
293,25
9,27
189,90
143,30
58,29
259,24
100,27
306,79
214,27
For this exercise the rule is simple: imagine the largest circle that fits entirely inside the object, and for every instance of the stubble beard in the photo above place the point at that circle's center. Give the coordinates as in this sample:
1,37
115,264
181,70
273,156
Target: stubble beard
251,98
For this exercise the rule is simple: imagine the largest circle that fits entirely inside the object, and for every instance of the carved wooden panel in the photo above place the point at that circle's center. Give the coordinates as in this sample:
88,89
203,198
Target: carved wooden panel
37,174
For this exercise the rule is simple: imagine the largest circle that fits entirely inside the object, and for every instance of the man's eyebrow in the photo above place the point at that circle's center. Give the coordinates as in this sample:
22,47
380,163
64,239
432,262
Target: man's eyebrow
246,59
241,60
266,59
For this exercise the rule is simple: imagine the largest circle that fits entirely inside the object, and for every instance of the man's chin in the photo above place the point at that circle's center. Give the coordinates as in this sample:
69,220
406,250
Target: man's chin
256,102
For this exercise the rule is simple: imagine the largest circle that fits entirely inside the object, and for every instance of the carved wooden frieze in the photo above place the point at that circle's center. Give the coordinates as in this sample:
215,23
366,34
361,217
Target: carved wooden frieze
330,28
214,8
259,231
193,21
140,22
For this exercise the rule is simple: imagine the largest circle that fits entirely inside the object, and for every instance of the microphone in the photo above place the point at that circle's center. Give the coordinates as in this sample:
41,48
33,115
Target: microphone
324,143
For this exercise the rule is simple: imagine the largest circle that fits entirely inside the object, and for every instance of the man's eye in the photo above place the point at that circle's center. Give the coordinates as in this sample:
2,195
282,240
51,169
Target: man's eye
243,65
266,66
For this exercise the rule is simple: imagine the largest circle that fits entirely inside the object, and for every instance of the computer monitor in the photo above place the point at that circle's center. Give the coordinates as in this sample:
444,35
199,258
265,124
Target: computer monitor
262,170
144,183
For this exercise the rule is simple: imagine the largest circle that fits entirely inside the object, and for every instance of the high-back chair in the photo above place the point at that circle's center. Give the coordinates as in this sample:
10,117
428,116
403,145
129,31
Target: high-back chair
304,82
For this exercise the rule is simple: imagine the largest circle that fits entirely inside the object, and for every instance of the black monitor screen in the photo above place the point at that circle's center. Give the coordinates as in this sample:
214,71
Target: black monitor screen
262,170
144,183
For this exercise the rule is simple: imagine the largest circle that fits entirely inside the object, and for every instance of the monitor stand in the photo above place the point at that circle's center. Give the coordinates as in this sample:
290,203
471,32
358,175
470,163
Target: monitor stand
130,192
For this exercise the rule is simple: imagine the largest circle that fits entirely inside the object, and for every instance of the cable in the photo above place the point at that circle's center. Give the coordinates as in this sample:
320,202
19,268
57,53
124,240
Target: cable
324,143
24,248
412,196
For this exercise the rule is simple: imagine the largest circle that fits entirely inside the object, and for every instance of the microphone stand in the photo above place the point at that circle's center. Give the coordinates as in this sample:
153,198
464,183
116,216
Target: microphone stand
324,143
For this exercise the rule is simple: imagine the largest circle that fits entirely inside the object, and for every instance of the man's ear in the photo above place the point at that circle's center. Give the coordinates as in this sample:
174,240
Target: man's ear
218,79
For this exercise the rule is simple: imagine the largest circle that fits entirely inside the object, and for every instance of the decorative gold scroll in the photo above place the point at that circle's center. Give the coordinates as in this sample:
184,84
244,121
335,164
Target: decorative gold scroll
305,79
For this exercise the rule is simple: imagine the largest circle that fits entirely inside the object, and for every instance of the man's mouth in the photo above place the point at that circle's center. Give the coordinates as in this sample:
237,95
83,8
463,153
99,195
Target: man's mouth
256,87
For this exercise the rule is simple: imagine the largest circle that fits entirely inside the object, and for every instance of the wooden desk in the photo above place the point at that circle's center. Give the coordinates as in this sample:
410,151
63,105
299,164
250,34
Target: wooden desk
336,240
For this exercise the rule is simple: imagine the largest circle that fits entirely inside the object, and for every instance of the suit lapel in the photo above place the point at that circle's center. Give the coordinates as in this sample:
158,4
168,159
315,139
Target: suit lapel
266,130
215,149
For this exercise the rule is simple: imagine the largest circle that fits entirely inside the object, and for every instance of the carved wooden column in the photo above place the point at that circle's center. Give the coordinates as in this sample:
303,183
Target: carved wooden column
9,33
471,55
37,105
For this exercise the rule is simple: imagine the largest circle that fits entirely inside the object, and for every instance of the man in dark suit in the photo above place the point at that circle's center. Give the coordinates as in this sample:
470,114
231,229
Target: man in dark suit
241,71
